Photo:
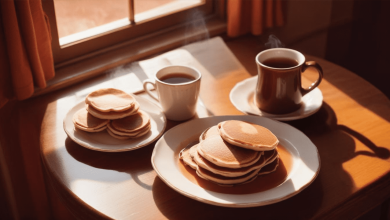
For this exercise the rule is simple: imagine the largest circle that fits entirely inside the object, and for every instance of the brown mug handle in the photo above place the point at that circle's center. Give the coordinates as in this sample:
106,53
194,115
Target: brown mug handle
317,82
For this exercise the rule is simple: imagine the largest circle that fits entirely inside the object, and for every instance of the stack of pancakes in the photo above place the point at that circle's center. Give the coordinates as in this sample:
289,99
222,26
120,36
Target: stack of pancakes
115,111
233,152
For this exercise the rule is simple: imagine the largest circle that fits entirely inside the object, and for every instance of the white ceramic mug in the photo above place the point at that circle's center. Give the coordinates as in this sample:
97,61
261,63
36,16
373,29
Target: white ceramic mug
178,100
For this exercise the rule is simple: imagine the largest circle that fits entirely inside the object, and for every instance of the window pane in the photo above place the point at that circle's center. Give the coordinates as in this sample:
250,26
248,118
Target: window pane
114,27
146,9
74,16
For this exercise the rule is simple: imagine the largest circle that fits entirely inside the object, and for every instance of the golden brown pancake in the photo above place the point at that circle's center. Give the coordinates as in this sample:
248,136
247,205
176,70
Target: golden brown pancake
193,151
132,123
87,122
129,134
231,185
124,137
113,115
228,172
90,130
209,132
117,136
269,168
110,99
185,156
205,174
247,135
270,156
221,153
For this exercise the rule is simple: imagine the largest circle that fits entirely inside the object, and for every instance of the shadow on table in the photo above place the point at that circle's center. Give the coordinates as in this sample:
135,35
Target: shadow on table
324,124
361,91
134,163
176,206
336,146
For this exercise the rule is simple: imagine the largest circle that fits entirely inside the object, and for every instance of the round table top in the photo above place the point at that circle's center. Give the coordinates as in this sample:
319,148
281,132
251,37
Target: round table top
351,131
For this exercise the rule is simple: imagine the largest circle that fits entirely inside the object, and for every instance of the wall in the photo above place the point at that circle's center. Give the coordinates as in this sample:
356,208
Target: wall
351,33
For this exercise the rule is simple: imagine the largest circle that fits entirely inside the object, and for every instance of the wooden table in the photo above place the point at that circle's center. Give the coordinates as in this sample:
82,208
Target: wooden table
351,132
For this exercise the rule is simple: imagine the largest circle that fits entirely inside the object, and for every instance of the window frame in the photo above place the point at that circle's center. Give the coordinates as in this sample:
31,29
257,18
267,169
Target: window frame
74,51
93,64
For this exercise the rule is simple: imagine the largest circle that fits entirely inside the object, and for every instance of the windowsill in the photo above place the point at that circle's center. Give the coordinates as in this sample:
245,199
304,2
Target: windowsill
84,68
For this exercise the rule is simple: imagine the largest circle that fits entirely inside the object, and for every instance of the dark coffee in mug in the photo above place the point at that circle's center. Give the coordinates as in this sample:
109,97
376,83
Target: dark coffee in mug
177,78
280,62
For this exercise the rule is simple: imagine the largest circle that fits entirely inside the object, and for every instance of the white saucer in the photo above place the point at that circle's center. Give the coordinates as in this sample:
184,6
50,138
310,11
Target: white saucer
305,162
242,97
102,141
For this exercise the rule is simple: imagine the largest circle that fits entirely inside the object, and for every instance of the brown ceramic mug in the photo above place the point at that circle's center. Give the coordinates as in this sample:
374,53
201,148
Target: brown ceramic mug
279,88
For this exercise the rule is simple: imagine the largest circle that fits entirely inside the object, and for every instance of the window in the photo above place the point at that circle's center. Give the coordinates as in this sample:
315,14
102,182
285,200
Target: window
141,20
81,19
142,33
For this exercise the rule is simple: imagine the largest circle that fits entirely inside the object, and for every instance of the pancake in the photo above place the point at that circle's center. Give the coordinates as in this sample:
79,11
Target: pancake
209,132
90,130
110,99
185,156
132,123
271,167
87,122
117,136
228,172
193,150
248,135
269,156
221,153
129,134
231,185
124,137
205,174
113,115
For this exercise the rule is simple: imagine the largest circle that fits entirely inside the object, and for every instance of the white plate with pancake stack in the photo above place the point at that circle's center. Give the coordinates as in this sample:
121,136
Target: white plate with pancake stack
103,141
301,168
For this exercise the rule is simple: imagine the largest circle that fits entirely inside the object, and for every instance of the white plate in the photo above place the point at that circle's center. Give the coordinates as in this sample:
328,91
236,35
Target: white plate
242,97
102,141
305,168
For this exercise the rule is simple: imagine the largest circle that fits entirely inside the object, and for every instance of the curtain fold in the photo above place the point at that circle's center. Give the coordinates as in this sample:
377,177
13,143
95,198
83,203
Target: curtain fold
252,16
26,59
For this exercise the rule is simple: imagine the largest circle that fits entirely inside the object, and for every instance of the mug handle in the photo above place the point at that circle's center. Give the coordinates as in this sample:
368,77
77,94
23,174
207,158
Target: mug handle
147,90
317,82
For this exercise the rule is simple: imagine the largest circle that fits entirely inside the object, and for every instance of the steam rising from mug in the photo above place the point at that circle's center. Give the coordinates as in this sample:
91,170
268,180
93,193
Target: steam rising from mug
196,30
273,42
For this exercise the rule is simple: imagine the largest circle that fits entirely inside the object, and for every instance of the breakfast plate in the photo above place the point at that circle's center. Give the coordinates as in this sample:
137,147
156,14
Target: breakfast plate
305,163
102,141
242,97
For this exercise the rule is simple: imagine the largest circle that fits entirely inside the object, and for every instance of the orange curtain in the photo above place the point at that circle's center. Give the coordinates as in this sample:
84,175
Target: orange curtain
252,16
26,59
